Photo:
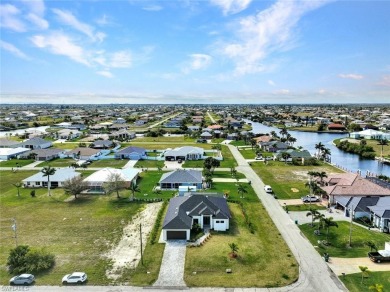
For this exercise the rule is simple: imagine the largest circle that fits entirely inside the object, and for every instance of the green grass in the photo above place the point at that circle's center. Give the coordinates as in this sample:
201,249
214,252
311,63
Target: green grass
226,174
165,139
264,260
338,237
146,183
58,162
306,207
354,281
16,162
149,164
78,232
66,145
283,177
114,163
239,143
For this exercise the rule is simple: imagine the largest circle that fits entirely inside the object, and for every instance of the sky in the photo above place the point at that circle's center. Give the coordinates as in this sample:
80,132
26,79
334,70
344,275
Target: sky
195,52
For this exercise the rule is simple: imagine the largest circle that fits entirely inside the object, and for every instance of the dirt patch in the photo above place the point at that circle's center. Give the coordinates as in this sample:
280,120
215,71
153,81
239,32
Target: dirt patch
294,190
127,254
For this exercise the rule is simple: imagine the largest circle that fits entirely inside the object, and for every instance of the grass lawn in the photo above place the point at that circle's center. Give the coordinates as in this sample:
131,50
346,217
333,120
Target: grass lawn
165,139
240,143
305,207
264,260
149,164
164,145
285,177
16,162
354,281
58,162
66,145
78,232
146,182
338,237
226,174
227,162
114,163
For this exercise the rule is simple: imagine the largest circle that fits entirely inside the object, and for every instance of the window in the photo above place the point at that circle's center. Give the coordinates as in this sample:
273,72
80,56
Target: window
37,183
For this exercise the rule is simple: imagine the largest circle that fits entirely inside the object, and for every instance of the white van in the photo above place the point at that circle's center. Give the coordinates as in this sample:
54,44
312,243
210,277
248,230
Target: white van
268,189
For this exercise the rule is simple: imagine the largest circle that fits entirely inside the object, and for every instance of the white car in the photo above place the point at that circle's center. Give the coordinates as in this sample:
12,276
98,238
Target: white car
310,198
75,278
268,189
23,279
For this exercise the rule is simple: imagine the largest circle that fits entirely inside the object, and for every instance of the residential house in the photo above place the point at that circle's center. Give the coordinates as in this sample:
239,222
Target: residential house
68,134
370,135
274,146
102,144
36,143
172,124
294,155
206,135
264,138
84,153
131,152
122,134
56,180
380,214
97,180
181,177
7,143
208,211
120,121
140,122
336,127
9,153
184,153
42,154
232,136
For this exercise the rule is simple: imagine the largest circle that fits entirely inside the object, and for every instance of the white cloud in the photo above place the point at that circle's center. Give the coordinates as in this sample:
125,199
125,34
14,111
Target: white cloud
152,8
282,92
36,7
231,6
9,18
270,82
105,73
267,32
197,62
103,21
38,21
351,76
385,81
14,50
68,18
60,44
121,59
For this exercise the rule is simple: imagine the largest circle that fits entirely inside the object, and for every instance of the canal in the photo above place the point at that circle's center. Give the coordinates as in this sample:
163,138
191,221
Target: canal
307,140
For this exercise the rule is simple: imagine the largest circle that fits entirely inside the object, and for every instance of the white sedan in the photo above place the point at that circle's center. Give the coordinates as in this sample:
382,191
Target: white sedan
75,278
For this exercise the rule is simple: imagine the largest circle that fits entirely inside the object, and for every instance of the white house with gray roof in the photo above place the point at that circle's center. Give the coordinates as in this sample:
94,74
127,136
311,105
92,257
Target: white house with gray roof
181,177
56,180
209,211
184,153
380,213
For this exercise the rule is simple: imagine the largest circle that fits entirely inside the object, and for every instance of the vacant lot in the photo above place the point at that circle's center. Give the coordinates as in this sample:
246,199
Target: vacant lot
264,260
354,281
338,238
115,163
58,162
284,178
78,232
16,162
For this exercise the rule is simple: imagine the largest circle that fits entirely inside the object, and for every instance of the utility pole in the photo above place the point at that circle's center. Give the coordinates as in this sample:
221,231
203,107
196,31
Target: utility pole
350,227
14,228
140,237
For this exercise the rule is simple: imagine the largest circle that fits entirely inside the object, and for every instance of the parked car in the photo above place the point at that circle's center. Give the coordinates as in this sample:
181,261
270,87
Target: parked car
310,198
201,141
268,189
379,256
75,278
179,161
23,279
259,158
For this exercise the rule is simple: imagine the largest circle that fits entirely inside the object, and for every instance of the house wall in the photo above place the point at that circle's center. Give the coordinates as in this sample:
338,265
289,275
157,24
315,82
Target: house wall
220,224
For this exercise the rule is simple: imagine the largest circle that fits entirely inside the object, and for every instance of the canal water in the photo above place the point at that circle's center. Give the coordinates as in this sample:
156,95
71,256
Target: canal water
307,140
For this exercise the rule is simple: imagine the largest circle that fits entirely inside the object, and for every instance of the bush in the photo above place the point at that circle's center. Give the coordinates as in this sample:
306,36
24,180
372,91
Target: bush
32,193
153,234
23,260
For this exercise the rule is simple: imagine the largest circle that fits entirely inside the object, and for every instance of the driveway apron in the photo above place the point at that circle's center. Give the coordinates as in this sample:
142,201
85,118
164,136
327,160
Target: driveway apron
172,266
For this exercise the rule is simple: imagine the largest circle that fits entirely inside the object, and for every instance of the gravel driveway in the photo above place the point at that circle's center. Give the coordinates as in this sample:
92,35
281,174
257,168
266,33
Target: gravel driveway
172,266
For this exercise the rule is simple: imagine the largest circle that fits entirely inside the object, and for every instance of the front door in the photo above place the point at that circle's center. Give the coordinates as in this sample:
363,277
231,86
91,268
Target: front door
206,220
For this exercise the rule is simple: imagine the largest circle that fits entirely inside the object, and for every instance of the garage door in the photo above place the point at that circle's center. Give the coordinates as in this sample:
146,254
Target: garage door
176,235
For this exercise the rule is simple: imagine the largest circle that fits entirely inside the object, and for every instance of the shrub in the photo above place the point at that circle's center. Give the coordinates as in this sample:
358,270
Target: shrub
32,193
153,234
23,260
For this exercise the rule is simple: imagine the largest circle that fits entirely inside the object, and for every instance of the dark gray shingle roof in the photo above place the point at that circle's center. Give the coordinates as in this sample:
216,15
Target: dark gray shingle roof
182,176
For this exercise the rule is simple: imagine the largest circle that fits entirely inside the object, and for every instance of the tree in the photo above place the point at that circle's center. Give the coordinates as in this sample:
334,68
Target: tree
376,288
234,248
364,271
241,189
134,189
283,132
319,146
313,213
285,156
115,183
322,175
328,222
253,143
22,259
211,163
371,245
18,185
75,186
382,143
209,181
48,171
320,217
325,154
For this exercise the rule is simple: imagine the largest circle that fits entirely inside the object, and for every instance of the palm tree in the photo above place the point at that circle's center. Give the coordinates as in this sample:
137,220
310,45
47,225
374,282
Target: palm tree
322,175
320,217
241,189
371,245
313,213
325,154
234,248
283,132
18,185
134,189
376,288
364,271
319,148
209,181
48,171
328,222
285,156
382,143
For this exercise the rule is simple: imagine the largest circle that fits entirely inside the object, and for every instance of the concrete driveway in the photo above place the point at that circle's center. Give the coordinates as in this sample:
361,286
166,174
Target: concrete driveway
172,265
